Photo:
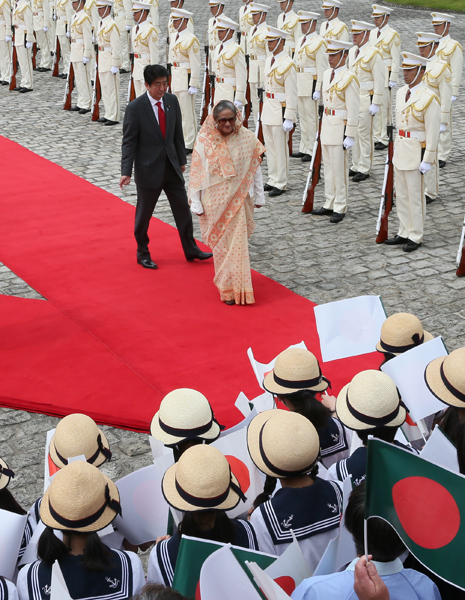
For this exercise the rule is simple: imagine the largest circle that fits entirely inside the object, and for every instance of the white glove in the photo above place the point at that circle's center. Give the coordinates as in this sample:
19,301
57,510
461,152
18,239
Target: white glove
29,45
288,125
392,84
44,29
442,128
316,95
424,167
8,38
374,109
114,70
128,28
68,34
237,103
85,59
196,207
192,90
454,98
348,142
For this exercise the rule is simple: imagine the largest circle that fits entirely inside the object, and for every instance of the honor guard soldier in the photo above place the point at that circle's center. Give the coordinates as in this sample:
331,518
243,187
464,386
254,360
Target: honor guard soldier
216,9
438,79
387,40
245,25
185,72
144,43
450,51
153,15
311,61
109,45
341,99
24,39
366,62
333,28
231,71
288,21
171,29
90,8
5,41
418,119
258,49
64,13
41,22
279,110
81,51
122,14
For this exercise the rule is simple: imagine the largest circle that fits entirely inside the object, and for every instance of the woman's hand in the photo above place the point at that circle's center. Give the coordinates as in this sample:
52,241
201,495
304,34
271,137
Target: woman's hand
329,402
161,538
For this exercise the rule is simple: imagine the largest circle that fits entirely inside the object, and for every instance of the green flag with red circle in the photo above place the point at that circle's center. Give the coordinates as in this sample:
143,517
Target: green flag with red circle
423,502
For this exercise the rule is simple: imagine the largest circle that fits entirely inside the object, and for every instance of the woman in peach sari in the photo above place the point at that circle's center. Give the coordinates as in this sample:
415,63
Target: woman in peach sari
225,185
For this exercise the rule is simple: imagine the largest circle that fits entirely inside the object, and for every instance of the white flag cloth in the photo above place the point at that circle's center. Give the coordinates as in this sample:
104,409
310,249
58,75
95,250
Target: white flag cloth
289,569
441,451
349,327
241,425
59,589
223,578
269,587
408,372
243,404
12,528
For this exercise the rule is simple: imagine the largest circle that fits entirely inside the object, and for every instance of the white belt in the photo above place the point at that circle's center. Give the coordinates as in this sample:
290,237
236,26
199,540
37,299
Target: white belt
63,18
142,56
182,65
290,44
311,70
367,85
121,14
105,48
78,41
279,96
230,80
21,26
336,113
419,135
388,62
258,57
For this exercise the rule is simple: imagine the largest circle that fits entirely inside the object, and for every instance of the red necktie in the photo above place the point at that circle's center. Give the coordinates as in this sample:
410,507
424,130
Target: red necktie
332,75
327,25
379,32
407,95
161,118
137,29
272,61
220,50
357,52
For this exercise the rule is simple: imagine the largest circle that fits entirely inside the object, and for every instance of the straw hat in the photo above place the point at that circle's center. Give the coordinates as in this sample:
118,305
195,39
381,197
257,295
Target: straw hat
295,369
201,480
401,332
6,474
445,378
184,415
282,443
80,498
370,400
78,434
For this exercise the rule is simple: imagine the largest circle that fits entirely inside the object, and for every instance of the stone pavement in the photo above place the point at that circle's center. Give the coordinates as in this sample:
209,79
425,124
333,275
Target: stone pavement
307,254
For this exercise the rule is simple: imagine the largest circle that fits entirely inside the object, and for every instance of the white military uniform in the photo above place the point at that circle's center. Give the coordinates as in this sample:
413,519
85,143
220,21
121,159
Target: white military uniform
122,14
341,99
289,22
245,24
64,13
24,32
334,30
91,9
311,61
387,41
213,43
172,31
185,73
280,103
418,118
5,47
146,52
369,68
41,19
109,46
231,72
81,46
153,15
258,52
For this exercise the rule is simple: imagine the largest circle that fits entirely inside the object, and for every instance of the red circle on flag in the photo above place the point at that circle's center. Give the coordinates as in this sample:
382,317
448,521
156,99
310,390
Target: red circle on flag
240,471
427,511
286,583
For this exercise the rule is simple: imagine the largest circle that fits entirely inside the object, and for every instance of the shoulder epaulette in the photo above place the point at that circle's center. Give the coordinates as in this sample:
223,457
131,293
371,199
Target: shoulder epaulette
188,41
427,96
232,50
84,17
347,78
284,66
389,38
293,21
438,69
450,47
21,8
311,49
148,31
370,53
337,30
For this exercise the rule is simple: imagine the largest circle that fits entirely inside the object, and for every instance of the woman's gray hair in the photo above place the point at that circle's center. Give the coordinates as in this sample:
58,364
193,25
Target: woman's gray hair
156,591
223,105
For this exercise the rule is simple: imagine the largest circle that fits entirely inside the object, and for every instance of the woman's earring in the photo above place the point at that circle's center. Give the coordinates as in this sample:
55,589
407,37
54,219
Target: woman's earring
216,125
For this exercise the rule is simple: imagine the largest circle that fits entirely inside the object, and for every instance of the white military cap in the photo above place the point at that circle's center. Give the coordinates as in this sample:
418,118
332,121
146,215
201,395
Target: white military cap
425,38
306,15
361,26
224,22
331,4
103,3
379,11
438,18
215,2
275,34
256,8
141,5
180,13
410,61
334,46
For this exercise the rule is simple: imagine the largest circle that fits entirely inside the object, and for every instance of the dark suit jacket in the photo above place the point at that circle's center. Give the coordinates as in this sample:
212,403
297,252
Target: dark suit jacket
144,145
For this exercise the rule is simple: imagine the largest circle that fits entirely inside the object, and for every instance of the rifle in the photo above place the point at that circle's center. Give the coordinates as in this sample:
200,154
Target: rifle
96,91
34,52
131,86
387,194
289,143
259,126
168,64
247,97
206,85
315,168
56,58
69,88
461,255
13,63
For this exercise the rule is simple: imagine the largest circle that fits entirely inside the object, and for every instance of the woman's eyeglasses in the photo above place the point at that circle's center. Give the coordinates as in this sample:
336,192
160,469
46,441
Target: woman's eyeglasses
231,121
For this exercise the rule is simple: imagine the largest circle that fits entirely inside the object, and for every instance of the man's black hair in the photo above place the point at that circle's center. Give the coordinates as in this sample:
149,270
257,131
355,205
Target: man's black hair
153,72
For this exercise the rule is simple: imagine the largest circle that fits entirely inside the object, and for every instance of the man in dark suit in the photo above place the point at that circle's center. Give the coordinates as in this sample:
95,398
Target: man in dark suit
153,142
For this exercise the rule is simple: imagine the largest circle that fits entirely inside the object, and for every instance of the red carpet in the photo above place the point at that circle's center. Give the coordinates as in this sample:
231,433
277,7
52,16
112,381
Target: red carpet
114,338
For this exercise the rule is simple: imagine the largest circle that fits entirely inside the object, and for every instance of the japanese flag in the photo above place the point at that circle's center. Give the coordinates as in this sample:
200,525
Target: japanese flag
289,569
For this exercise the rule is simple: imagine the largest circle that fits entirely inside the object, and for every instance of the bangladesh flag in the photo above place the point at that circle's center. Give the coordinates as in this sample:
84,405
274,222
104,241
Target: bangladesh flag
423,502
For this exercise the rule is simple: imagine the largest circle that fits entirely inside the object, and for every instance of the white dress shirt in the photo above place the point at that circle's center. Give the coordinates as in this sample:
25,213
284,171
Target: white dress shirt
154,102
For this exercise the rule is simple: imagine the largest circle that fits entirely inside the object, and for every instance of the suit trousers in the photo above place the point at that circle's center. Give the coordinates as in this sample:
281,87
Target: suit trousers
84,89
175,190
189,121
42,42
431,181
25,66
411,205
308,118
5,60
445,141
277,155
336,177
362,150
65,50
139,87
110,84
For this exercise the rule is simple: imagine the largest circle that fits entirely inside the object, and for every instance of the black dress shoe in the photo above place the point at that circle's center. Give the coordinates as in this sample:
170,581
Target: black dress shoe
410,246
360,177
297,154
429,199
396,241
123,71
267,187
40,70
230,302
5,83
188,150
337,217
17,89
84,111
307,158
323,212
75,109
147,263
24,90
276,192
199,256
442,164
108,123
380,146
102,120
352,173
